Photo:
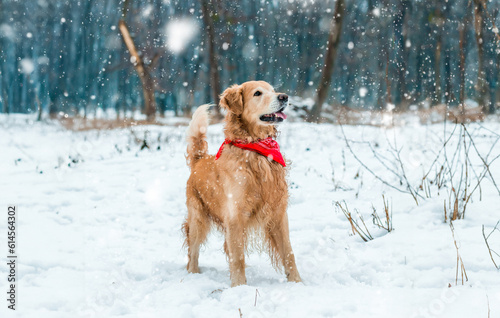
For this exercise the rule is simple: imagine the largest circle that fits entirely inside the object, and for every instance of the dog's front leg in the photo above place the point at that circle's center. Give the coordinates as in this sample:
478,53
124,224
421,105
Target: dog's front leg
235,243
277,235
292,274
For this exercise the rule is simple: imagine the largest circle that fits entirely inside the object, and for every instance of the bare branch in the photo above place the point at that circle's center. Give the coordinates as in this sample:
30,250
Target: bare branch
488,245
482,159
368,169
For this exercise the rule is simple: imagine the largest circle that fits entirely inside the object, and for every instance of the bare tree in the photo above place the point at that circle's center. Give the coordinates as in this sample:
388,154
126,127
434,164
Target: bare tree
438,21
480,9
147,81
331,52
462,29
213,56
481,89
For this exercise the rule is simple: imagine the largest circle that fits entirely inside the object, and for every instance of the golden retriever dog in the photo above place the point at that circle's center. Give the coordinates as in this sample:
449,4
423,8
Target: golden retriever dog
242,191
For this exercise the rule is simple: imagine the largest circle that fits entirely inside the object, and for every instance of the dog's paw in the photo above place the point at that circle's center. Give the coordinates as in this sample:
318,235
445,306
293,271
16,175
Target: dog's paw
238,281
294,277
193,269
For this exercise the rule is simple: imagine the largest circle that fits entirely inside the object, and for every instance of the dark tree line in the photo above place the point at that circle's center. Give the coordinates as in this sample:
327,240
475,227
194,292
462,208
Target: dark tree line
69,56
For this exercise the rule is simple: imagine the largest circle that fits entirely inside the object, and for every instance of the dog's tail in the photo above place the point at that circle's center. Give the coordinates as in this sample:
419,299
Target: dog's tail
197,134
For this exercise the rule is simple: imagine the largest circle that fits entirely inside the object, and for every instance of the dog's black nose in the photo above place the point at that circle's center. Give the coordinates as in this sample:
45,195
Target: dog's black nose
283,98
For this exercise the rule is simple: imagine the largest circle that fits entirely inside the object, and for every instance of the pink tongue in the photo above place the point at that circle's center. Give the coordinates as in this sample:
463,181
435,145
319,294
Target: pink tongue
280,114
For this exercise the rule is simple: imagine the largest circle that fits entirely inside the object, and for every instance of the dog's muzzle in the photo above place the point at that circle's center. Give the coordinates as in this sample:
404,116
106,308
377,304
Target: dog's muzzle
278,116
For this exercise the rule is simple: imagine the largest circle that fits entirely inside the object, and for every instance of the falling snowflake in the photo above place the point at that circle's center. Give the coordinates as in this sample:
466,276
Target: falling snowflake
27,66
363,91
179,33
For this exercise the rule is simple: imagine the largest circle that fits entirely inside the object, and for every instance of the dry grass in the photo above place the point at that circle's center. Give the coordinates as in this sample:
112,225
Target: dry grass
356,227
383,118
81,124
460,263
467,115
333,114
387,225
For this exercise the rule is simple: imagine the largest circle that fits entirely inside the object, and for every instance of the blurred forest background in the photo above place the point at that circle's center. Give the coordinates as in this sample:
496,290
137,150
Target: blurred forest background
78,57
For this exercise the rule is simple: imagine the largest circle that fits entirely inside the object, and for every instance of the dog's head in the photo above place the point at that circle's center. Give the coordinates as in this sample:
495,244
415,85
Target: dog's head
253,107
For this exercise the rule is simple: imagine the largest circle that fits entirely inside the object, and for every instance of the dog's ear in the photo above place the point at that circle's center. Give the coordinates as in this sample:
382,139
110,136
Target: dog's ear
232,99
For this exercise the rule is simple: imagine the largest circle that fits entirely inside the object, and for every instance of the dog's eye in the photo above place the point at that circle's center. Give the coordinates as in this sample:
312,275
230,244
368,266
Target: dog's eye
257,93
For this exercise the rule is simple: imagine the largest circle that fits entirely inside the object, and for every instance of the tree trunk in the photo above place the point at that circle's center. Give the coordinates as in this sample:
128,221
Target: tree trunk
449,96
148,84
388,96
401,96
331,52
39,105
5,102
481,89
462,66
439,23
213,56
480,9
437,71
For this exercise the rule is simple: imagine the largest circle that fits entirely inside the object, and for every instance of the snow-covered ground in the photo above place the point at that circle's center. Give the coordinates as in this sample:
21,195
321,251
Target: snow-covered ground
99,226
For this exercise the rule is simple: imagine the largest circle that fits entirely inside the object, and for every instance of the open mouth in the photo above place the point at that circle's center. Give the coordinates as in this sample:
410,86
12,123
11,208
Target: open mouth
276,117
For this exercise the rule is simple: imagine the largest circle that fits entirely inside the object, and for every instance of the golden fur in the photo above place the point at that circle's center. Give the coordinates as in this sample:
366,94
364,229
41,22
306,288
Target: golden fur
242,191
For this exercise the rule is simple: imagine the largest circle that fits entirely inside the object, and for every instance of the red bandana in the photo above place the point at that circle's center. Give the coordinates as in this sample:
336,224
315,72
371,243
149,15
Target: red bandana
267,147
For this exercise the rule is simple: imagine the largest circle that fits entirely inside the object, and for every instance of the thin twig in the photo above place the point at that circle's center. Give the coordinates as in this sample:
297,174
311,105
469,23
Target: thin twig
368,169
460,262
488,302
397,157
482,159
440,150
488,245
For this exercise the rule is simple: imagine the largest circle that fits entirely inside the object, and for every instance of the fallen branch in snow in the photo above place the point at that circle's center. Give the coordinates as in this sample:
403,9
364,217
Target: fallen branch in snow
488,245
356,228
460,262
